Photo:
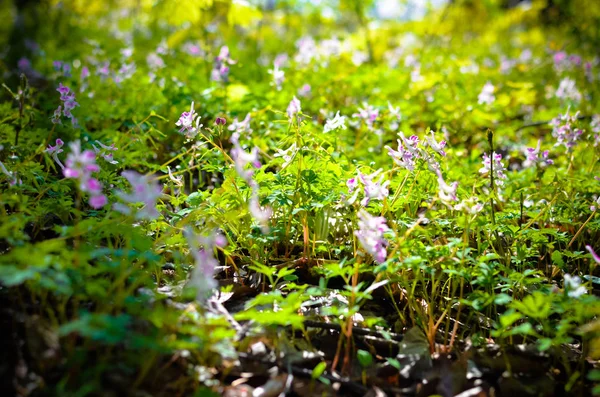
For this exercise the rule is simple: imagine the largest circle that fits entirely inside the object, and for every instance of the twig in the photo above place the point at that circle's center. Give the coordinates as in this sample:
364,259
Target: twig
355,330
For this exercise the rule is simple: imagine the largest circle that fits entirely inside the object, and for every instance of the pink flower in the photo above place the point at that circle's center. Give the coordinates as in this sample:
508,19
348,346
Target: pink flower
593,253
499,169
55,150
80,165
294,108
189,123
534,156
370,234
145,190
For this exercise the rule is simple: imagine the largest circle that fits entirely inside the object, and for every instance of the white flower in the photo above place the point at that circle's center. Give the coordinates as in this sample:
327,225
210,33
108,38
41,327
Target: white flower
573,286
337,122
487,94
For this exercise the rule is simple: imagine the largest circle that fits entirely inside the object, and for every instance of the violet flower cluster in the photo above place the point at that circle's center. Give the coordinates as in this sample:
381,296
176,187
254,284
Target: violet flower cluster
144,190
105,151
372,189
370,234
68,103
241,160
201,248
220,71
189,123
55,150
80,165
565,131
294,108
498,167
537,157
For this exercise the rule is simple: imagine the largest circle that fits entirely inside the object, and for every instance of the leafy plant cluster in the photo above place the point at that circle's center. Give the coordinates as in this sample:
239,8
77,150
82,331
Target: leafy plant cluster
182,180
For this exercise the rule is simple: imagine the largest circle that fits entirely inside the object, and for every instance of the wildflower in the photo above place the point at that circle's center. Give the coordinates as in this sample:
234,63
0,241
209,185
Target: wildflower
370,234
304,91
241,159
337,122
220,71
403,158
564,131
487,94
567,90
105,151
352,184
294,108
470,206
368,114
80,165
55,150
193,49
69,103
178,181
220,121
374,190
447,192
534,156
499,169
278,76
435,145
145,190
573,286
396,117
189,123
202,277
24,64
593,253
241,126
287,155
11,175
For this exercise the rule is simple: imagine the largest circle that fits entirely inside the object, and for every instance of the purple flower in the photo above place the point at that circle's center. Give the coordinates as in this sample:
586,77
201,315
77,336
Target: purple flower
352,184
564,130
241,127
55,150
105,152
304,91
220,71
12,176
220,121
374,190
202,277
370,234
145,190
402,157
24,64
447,193
294,108
499,169
189,123
534,156
593,253
368,114
69,103
242,159
435,145
80,165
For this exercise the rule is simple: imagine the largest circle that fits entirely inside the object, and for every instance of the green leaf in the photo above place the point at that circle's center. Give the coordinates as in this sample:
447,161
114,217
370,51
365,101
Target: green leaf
364,358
